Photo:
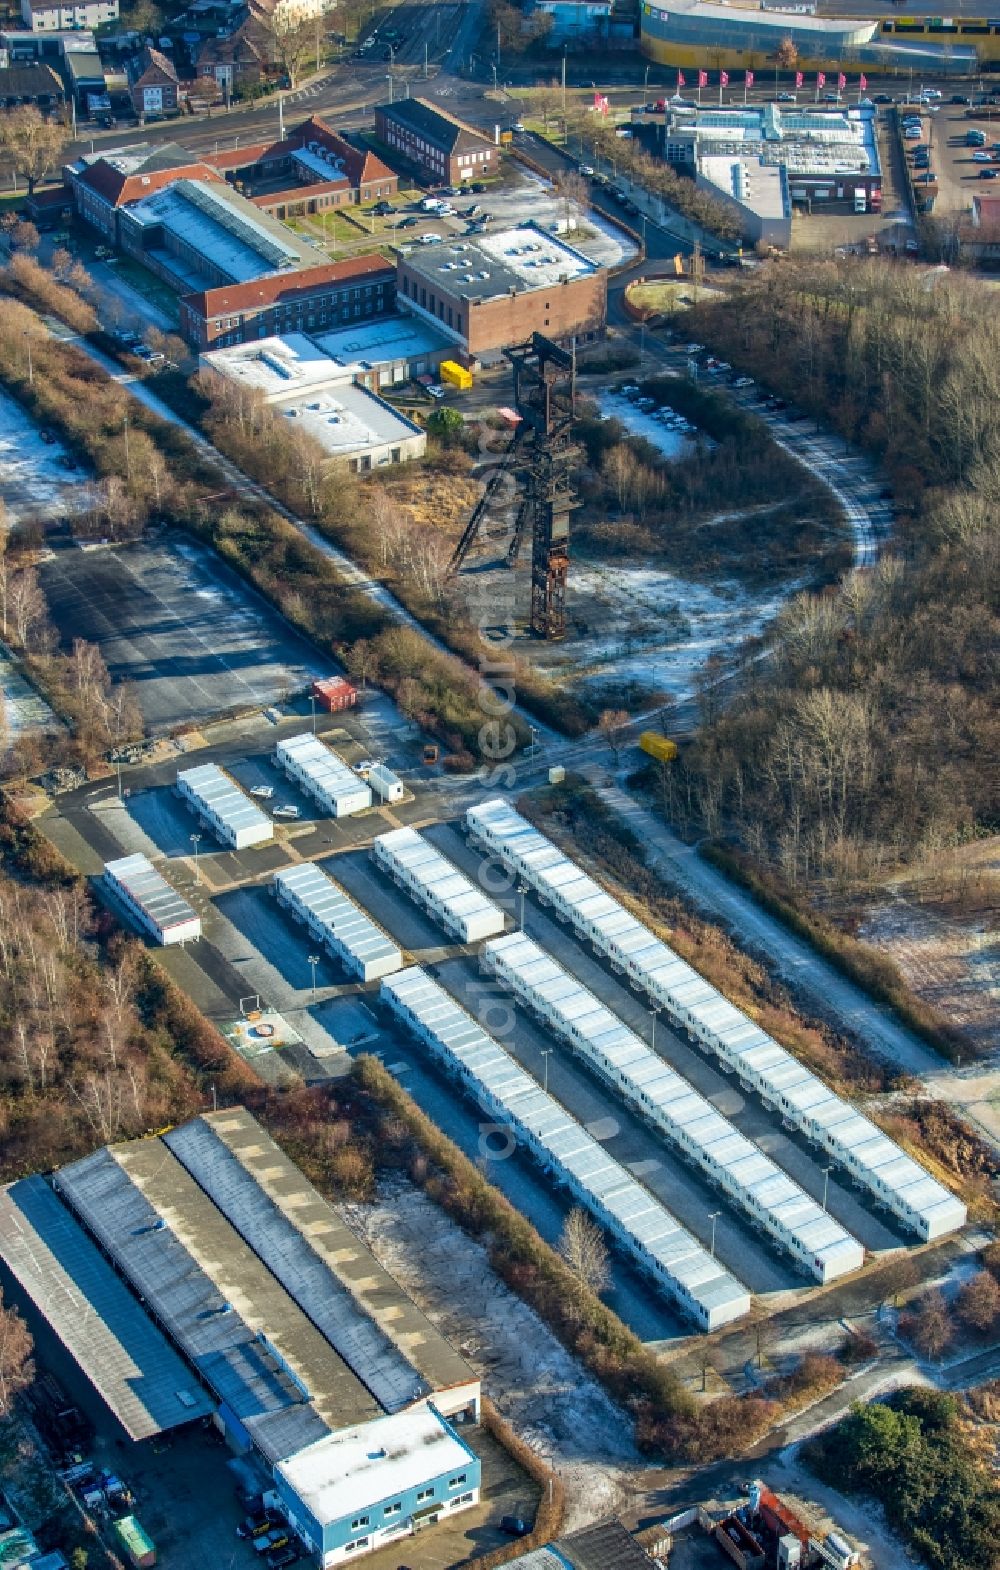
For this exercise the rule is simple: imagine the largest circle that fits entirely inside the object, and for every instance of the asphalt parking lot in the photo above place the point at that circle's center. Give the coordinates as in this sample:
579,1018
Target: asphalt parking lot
957,171
185,631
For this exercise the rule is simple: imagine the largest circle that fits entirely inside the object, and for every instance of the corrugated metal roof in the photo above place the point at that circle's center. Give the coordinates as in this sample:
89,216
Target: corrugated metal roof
328,776
801,1096
329,1272
732,1161
235,1322
437,882
150,890
685,1268
223,796
350,932
126,1357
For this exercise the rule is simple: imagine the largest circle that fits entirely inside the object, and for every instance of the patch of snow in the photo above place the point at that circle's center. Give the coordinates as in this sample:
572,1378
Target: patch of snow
34,482
671,443
25,710
654,627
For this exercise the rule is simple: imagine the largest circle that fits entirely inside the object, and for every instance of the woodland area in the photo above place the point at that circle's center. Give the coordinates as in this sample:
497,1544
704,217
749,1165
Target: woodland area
870,738
735,506
914,1455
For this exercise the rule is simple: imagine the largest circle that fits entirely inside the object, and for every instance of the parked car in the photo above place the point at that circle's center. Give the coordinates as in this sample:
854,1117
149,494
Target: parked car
884,98
407,223
287,1554
982,158
586,169
959,98
277,1537
743,381
514,1526
988,174
478,187
436,392
787,98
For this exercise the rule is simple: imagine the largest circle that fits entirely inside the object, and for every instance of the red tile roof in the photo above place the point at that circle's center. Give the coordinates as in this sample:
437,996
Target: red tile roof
360,165
262,292
299,193
118,189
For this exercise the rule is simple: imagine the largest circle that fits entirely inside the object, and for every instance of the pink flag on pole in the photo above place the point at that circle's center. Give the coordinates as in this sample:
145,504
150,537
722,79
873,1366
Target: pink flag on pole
841,81
799,78
863,82
723,78
681,80
702,78
820,78
749,79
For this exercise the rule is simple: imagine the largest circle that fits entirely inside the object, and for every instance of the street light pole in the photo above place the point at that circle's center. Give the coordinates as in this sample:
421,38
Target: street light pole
313,962
312,700
713,1217
522,890
826,1184
196,841
546,1054
652,1014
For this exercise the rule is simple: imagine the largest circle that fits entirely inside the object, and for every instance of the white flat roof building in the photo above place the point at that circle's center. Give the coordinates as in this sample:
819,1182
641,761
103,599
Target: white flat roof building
758,191
224,807
335,921
393,348
436,884
637,1220
211,226
149,898
361,1486
326,778
318,395
870,1157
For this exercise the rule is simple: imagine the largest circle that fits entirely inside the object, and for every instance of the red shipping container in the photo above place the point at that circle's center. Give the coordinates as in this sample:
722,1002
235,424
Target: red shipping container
335,692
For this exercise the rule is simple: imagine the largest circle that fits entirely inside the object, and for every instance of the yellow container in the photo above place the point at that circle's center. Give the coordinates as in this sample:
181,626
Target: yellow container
456,374
659,747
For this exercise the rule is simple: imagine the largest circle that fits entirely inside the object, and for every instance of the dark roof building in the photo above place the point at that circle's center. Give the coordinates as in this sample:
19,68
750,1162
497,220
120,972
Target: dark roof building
152,83
437,143
239,58
102,183
31,83
67,1280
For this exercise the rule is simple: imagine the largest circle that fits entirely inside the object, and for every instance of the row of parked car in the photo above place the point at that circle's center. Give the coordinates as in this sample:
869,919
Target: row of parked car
270,1536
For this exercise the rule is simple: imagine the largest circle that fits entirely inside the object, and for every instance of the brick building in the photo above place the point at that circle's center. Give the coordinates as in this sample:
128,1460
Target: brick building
442,147
103,184
152,83
237,60
322,170
491,291
313,300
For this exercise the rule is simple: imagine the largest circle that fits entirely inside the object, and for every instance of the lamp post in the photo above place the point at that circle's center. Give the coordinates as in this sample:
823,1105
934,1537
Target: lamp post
389,78
652,1014
713,1216
826,1184
546,1054
313,962
522,889
196,841
312,700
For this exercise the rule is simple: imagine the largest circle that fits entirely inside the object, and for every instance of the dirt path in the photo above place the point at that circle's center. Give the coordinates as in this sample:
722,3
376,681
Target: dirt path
546,1396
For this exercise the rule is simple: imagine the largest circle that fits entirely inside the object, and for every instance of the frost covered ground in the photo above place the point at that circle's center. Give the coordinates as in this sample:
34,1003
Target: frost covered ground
34,482
24,709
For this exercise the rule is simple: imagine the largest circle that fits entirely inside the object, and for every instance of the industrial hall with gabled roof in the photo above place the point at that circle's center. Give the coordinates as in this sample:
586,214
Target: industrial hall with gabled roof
253,1302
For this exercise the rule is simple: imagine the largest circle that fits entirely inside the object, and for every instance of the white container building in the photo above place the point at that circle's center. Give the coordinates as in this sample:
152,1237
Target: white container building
771,1199
871,1159
437,885
336,922
151,901
386,785
314,766
636,1219
223,807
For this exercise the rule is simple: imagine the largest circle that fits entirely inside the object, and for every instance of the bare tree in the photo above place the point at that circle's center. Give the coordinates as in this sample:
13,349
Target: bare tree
291,40
979,1301
613,726
27,605
30,145
16,1367
929,1326
583,1248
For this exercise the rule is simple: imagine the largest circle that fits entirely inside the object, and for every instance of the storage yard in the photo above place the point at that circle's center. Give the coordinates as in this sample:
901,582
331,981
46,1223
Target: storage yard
715,1162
